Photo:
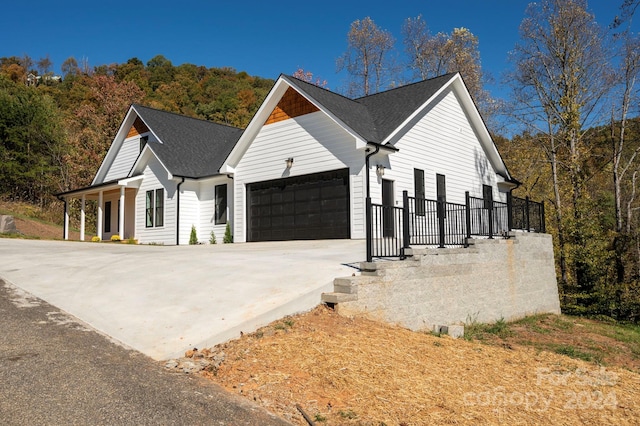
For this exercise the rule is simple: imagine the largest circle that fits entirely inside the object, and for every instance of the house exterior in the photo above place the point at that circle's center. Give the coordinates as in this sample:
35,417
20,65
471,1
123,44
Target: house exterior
159,178
302,169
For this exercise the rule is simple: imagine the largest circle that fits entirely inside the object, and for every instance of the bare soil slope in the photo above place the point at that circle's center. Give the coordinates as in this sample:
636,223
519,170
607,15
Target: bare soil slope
358,372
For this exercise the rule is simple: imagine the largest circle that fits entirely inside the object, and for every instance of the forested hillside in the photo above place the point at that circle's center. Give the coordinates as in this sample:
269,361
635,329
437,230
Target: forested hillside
55,132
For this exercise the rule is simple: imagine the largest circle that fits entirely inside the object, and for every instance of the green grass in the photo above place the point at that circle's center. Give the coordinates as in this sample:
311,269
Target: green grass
479,331
545,332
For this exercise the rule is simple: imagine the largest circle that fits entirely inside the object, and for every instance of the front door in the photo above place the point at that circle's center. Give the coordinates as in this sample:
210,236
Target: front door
387,209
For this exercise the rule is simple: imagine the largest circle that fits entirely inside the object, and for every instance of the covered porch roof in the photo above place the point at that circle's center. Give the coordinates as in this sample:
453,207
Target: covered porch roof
92,192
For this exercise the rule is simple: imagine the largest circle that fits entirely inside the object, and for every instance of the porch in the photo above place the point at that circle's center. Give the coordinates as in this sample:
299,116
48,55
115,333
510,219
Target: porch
115,209
392,230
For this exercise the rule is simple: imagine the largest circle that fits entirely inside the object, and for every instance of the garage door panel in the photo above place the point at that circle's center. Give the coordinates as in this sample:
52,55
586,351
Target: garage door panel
303,207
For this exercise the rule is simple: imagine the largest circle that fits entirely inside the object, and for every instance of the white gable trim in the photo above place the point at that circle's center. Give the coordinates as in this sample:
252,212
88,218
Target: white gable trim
257,122
143,160
119,139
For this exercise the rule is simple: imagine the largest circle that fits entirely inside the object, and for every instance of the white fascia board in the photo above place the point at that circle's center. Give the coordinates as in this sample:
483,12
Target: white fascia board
256,123
132,182
479,126
121,135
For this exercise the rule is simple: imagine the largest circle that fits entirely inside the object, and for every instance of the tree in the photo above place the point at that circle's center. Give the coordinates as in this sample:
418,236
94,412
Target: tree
70,67
307,76
561,75
161,71
31,143
367,58
434,55
44,65
93,123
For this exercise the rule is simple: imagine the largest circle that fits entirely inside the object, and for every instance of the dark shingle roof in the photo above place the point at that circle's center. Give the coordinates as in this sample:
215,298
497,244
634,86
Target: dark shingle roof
375,117
190,147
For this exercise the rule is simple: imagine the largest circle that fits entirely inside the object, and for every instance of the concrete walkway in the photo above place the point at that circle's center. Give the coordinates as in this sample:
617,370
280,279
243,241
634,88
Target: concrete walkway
164,300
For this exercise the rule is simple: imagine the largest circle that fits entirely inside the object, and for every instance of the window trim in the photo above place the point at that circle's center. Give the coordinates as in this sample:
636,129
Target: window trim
149,209
159,208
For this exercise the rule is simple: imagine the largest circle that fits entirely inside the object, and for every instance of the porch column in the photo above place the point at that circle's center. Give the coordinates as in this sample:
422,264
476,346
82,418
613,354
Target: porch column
66,219
121,214
99,225
82,217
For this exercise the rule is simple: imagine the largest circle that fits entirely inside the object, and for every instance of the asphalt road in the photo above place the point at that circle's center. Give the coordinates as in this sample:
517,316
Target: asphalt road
55,370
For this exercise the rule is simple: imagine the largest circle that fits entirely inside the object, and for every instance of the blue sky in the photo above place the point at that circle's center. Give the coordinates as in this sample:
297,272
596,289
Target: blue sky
260,37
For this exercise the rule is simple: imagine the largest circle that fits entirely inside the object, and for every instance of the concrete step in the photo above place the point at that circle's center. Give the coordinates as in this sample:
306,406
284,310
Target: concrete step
336,298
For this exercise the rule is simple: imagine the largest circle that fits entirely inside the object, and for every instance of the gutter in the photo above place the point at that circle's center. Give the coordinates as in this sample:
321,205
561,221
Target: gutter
178,210
368,202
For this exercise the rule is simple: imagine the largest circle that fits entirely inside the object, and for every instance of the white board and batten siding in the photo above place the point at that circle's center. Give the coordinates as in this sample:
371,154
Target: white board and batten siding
189,211
441,142
124,159
316,144
156,177
207,201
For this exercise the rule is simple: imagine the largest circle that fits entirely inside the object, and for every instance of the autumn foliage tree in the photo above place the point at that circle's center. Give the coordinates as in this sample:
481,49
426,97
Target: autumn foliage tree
368,58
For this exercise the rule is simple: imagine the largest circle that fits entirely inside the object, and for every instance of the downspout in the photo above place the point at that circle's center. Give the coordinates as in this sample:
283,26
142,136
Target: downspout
368,204
178,211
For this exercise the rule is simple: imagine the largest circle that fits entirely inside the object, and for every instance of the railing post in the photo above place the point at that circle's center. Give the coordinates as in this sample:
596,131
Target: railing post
441,213
509,211
369,230
491,218
526,214
543,223
467,217
406,236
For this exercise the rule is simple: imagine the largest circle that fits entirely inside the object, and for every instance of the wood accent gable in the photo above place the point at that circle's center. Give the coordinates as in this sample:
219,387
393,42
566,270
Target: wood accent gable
292,104
137,128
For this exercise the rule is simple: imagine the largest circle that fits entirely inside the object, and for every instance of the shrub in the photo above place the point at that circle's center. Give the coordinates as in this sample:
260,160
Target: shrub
212,238
193,238
115,238
95,239
228,238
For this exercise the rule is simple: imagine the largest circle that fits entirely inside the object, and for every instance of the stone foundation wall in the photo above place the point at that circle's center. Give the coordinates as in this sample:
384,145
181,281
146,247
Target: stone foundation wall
490,280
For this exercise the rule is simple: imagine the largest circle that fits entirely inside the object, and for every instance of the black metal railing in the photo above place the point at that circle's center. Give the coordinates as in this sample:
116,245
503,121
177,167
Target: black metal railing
391,230
386,231
527,215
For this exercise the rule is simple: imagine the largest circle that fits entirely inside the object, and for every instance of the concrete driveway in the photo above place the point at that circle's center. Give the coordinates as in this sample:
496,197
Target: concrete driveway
163,300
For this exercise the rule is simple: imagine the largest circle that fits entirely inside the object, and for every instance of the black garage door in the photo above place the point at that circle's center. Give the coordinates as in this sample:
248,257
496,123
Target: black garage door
309,207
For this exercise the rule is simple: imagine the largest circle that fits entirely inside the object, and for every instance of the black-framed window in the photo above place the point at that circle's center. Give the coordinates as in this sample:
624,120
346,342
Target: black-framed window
487,196
107,216
419,191
221,204
154,212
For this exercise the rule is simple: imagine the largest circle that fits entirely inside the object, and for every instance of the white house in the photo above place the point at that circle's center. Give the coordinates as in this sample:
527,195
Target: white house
300,170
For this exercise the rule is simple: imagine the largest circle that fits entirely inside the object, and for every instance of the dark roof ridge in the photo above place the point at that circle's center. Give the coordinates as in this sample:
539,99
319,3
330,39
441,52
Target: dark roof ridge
449,74
319,87
186,116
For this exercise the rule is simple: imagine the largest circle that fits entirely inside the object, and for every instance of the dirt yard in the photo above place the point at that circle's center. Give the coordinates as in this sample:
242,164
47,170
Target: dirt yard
343,371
